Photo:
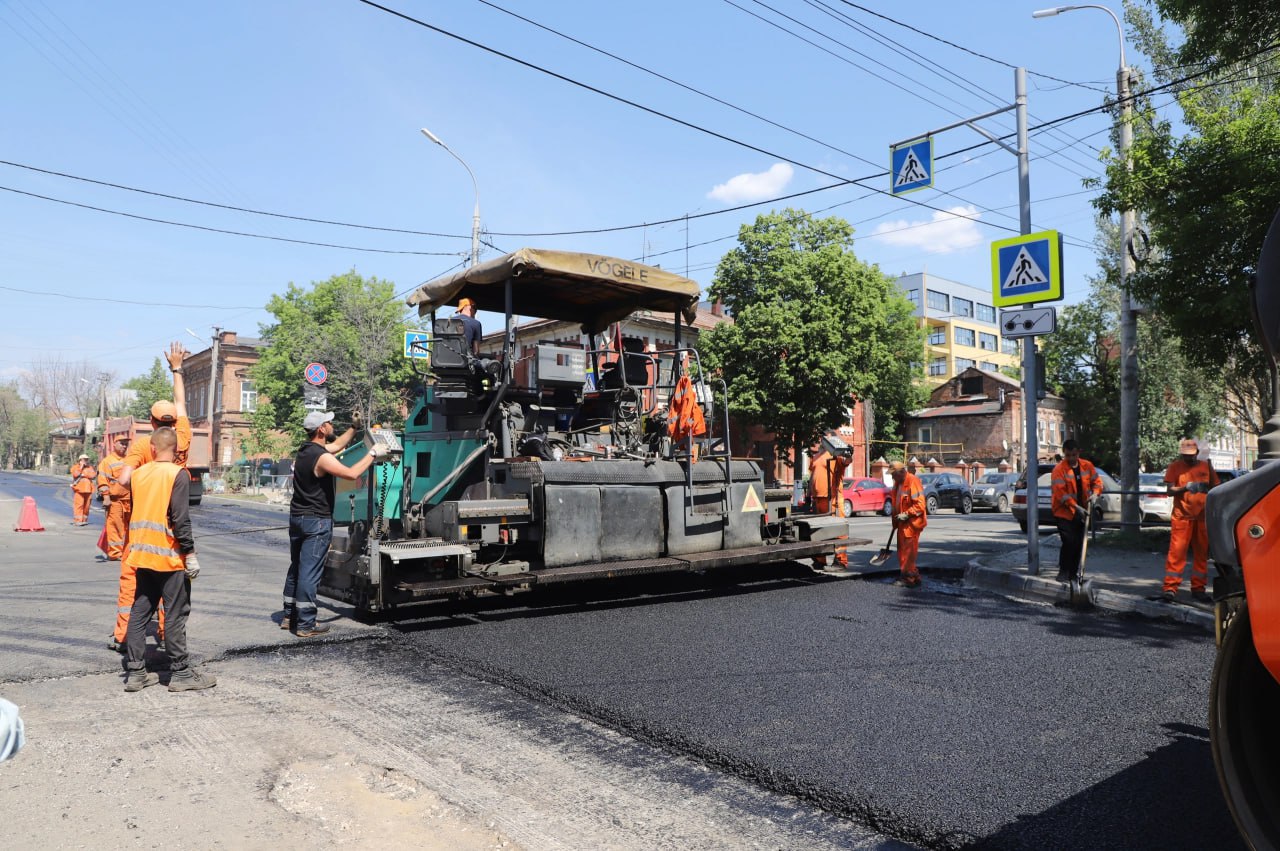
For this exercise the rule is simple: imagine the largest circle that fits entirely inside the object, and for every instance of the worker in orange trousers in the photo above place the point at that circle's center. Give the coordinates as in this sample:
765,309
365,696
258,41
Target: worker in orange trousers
84,477
115,498
1187,480
826,496
910,516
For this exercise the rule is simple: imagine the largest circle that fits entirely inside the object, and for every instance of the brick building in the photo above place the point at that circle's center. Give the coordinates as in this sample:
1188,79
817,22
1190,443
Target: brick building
977,416
234,397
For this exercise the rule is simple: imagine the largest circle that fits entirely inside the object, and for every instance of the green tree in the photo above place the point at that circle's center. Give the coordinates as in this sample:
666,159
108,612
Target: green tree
814,327
24,431
152,386
1223,30
1082,364
355,327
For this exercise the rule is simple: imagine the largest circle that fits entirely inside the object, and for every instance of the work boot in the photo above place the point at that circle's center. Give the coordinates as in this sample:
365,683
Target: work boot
311,631
117,646
138,680
286,620
1201,596
1168,597
189,679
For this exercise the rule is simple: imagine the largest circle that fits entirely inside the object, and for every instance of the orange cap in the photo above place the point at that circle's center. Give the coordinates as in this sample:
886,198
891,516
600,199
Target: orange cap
164,411
465,303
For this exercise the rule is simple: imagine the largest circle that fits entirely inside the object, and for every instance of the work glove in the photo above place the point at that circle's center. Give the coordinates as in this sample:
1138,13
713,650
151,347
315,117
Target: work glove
903,517
1081,514
379,451
357,421
106,500
193,566
1197,487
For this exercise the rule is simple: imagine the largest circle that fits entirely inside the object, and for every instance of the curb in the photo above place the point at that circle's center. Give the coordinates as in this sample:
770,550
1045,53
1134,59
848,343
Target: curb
1017,584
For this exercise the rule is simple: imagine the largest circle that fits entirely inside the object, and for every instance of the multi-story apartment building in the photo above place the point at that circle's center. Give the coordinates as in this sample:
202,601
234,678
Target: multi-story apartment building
963,327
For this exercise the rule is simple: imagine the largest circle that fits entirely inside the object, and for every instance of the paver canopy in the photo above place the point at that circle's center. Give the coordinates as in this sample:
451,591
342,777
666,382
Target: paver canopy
590,289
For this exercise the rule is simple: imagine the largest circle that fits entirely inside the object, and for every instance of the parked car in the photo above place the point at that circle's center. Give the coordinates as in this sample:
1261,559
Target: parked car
863,494
1155,502
946,490
995,491
1107,509
1229,474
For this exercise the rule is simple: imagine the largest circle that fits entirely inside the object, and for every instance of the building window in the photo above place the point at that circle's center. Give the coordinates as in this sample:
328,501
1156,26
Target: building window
989,366
971,385
1009,346
938,366
987,342
964,363
939,301
925,434
962,306
964,336
986,312
937,335
248,397
913,296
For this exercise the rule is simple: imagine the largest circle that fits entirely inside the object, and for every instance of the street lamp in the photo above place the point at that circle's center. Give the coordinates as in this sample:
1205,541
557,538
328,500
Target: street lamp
475,213
1128,313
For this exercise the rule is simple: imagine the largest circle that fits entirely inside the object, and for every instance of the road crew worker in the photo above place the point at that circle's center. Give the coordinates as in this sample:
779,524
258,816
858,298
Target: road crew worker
163,414
115,497
826,477
1187,480
910,516
162,553
1075,482
84,477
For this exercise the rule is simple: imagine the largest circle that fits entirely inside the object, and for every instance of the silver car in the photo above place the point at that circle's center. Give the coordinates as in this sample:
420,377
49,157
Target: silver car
994,491
1107,509
1156,504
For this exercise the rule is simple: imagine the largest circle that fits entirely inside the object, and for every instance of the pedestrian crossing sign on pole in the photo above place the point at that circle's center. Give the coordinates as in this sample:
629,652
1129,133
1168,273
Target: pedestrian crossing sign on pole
911,166
417,344
1027,269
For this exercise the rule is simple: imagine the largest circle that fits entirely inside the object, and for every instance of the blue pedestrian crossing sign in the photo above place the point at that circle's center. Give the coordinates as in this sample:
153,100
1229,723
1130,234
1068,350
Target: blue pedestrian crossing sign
911,166
416,344
1027,269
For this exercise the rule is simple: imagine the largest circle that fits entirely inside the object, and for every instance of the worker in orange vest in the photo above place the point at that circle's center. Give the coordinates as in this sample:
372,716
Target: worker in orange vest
1075,482
115,497
910,516
163,413
162,554
1187,480
84,477
826,480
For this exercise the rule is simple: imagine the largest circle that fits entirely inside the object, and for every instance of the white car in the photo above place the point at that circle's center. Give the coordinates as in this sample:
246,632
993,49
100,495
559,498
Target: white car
1155,502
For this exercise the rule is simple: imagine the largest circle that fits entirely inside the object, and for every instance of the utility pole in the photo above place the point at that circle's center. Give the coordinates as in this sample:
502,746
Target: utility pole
213,386
1129,514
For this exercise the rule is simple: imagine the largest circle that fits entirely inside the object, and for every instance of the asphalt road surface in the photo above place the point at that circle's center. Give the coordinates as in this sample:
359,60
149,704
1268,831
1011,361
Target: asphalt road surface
942,717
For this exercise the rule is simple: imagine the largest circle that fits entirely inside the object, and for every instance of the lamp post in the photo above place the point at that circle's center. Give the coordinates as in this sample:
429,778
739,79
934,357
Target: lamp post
475,213
1129,517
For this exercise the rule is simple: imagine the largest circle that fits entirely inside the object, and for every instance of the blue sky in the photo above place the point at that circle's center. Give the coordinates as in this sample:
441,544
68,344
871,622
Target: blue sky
313,109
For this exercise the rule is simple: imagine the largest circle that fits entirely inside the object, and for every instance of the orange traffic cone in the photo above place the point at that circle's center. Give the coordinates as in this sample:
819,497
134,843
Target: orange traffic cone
29,519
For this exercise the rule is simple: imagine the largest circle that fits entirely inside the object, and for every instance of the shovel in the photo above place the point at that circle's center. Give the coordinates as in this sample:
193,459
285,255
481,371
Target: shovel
1078,587
883,556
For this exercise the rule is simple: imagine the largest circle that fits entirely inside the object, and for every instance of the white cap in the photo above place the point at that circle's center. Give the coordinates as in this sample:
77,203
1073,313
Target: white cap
315,419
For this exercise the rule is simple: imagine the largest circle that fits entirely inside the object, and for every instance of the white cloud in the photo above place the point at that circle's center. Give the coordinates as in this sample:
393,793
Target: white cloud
952,230
753,187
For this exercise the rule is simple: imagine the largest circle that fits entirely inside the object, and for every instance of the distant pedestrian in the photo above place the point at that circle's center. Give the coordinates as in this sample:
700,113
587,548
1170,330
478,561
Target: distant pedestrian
162,554
910,516
311,517
1075,483
826,493
1187,480
84,478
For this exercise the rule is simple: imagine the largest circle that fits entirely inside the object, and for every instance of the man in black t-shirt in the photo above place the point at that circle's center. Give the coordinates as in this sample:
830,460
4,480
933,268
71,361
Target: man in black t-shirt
311,516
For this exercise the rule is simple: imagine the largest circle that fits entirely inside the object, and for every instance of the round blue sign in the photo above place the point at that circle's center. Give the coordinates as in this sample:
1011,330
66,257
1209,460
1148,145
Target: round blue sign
316,374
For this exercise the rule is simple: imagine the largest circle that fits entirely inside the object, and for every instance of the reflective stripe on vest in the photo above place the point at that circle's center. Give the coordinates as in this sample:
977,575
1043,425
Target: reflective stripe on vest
151,542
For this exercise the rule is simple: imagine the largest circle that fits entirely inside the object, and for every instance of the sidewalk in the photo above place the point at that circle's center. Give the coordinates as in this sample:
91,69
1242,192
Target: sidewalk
1118,580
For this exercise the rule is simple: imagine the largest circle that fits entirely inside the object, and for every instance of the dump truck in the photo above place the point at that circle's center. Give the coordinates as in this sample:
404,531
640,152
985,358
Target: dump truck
555,464
197,457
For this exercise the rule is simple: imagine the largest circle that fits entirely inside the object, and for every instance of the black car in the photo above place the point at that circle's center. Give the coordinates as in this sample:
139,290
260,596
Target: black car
946,490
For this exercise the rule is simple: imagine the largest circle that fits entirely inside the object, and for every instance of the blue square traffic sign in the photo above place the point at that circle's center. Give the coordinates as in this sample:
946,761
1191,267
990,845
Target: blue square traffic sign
416,344
1027,269
911,166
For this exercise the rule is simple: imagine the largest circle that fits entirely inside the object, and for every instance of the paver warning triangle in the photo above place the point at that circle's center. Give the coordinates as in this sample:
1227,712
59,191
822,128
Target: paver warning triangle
912,171
752,500
1024,272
